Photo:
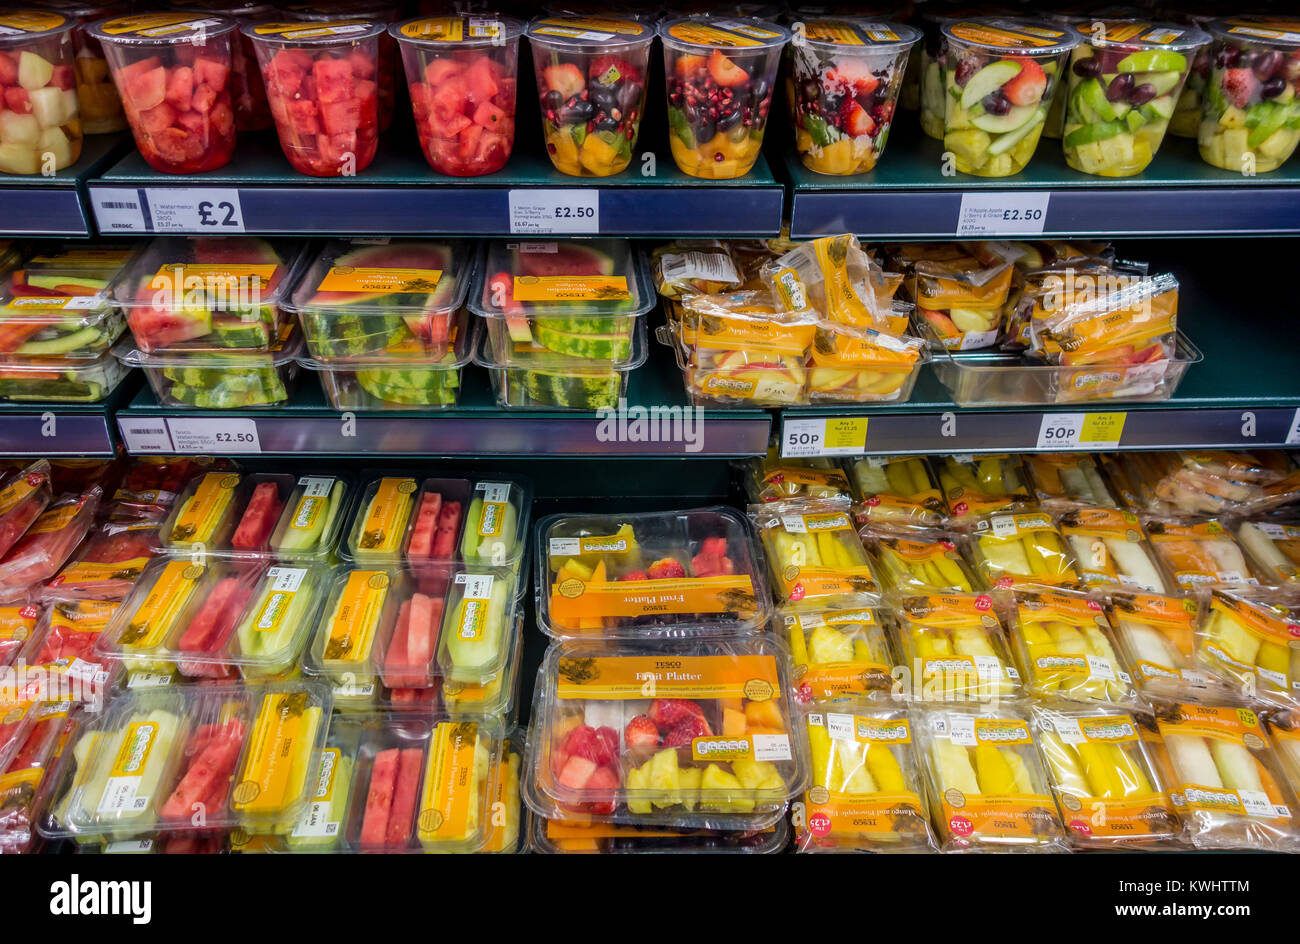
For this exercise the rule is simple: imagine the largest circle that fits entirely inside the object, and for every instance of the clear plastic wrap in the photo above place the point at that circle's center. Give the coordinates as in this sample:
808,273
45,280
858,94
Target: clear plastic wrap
1156,635
955,648
1273,548
920,560
1198,554
1022,550
1111,550
48,543
813,551
960,295
1068,479
976,484
867,790
838,650
1248,641
897,490
23,496
775,479
108,563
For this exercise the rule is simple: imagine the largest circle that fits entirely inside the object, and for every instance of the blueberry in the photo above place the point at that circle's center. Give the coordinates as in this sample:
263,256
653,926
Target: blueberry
552,100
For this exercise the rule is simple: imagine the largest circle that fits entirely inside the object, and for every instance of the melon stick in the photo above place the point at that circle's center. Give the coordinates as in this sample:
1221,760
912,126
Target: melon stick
308,539
256,642
1236,765
1134,563
150,776
335,783
472,659
1227,557
1237,643
1192,760
871,479
476,549
1261,546
1150,645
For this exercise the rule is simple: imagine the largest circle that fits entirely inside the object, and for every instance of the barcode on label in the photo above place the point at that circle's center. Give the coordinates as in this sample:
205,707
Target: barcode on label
709,266
119,205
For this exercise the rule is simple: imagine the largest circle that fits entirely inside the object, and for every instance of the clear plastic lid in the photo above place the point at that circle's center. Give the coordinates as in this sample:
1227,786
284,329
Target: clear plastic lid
384,520
627,341
57,304
312,519
285,350
589,278
479,616
920,560
325,33
18,27
208,292
463,31
496,524
677,732
578,32
162,29
241,754
1258,28
61,380
677,573
1138,35
997,35
216,619
706,32
352,637
496,698
233,514
854,35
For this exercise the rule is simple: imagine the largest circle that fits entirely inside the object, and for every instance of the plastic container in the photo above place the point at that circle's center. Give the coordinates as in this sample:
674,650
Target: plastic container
867,788
189,56
1068,480
30,769
379,11
351,641
898,490
600,746
17,625
462,72
930,94
227,514
371,299
381,519
813,551
561,302
1105,778
957,649
218,619
1125,80
1224,766
1004,379
100,106
219,380
218,293
1199,484
40,127
245,753
1249,118
24,495
680,573
1273,548
107,565
861,365
247,91
1111,550
776,479
330,126
838,650
1155,635
403,382
1198,554
960,291
475,643
577,837
920,560
1022,550
563,383
847,76
705,58
57,304
61,380
1246,640
986,782
47,543
995,112
312,518
496,698
591,82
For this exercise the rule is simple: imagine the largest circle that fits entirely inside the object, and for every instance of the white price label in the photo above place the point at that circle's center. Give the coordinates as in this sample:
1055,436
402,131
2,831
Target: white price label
1293,434
497,492
1081,430
962,730
477,586
118,210
128,846
148,680
286,579
771,747
194,210
1004,527
145,434
1256,803
554,211
1100,668
824,436
1002,214
839,726
565,547
1069,730
314,486
121,796
988,668
213,435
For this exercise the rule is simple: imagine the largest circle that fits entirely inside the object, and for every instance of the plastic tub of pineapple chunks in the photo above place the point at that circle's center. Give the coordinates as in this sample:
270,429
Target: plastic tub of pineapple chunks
677,573
683,733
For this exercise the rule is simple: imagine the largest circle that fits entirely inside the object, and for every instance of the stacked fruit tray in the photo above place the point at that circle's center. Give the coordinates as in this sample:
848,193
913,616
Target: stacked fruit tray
563,320
193,594
58,322
1039,654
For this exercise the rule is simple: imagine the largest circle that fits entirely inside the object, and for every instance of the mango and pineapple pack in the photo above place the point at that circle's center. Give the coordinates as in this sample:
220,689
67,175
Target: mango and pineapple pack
813,550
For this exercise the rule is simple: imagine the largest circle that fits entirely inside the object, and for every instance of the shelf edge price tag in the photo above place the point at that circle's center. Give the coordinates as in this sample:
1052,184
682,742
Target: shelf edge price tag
144,434
1293,434
1020,213
1081,430
824,436
214,436
195,210
541,212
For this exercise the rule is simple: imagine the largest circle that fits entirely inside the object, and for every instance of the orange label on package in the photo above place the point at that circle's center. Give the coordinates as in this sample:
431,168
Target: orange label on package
356,616
84,572
168,595
1151,814
573,600
13,22
833,679
17,622
312,30
285,724
1007,35
451,790
880,814
1014,816
798,476
725,33
198,519
56,519
379,531
599,24
813,583
622,678
157,24
569,288
719,332
176,275
376,279
1236,732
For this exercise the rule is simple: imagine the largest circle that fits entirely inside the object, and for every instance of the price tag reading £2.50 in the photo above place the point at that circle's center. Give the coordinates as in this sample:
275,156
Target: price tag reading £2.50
214,436
1003,214
538,212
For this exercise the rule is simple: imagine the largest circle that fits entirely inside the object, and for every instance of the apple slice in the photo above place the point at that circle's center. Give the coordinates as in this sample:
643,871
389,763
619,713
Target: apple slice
989,79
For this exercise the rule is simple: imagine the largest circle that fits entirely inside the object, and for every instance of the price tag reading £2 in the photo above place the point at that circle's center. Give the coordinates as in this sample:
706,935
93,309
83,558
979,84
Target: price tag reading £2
539,212
192,210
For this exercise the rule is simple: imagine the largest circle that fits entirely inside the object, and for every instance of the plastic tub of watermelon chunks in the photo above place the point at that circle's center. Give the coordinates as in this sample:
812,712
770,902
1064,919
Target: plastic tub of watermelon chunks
575,300
218,619
656,574
172,71
462,73
209,293
328,127
248,753
371,299
219,380
684,733
377,11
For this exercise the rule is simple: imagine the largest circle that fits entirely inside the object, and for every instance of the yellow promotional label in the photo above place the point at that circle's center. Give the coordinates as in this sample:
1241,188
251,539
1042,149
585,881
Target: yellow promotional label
153,24
1018,816
17,622
845,432
170,592
814,583
356,617
886,815
177,275
19,489
86,572
31,21
311,31
835,32
573,600
623,678
720,332
1137,817
56,519
948,610
731,35
199,516
569,288
451,29
831,478
391,504
283,726
449,794
1260,621
599,24
376,279
836,679
1008,36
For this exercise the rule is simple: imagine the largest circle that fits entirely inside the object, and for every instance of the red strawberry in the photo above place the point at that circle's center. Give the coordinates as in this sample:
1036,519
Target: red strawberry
853,77
607,737
855,119
635,575
666,712
666,569
683,732
641,732
1239,85
1028,87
